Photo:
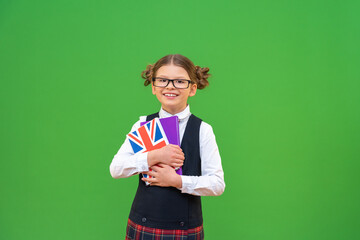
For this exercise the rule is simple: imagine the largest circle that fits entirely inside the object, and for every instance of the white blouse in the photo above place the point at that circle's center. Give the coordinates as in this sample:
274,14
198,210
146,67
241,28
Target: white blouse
211,183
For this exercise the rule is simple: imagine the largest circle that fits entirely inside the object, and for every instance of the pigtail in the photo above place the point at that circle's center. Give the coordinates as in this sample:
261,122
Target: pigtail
147,74
202,75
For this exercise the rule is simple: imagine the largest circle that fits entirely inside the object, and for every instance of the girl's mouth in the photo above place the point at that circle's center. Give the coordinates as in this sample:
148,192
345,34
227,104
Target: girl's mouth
170,95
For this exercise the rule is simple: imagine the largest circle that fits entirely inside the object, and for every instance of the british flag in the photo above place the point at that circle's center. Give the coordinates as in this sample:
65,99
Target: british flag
148,137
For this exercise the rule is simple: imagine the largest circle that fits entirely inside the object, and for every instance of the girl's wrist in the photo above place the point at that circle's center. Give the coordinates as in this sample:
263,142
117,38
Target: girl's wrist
178,181
152,157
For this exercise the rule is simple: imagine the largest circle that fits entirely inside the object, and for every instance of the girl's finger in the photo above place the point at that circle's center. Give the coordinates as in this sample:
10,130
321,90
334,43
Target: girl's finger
155,168
179,157
152,173
162,165
179,151
181,160
149,180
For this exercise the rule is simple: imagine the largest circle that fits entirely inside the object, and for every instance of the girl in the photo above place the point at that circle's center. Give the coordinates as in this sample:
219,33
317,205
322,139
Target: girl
170,207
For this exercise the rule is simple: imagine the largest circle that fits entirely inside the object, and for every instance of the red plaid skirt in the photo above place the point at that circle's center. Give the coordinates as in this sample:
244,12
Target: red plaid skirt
137,232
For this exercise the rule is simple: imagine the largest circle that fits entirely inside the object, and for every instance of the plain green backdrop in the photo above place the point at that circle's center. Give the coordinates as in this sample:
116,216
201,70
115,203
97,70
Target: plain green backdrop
284,103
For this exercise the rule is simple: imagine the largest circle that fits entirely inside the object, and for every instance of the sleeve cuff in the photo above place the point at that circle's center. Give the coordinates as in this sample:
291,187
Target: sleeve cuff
186,184
142,163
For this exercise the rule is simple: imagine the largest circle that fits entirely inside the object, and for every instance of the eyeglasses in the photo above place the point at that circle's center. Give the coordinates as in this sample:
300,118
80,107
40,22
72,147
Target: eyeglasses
177,83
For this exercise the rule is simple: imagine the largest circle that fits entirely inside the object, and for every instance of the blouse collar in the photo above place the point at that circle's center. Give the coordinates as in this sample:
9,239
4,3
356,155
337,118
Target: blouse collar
181,115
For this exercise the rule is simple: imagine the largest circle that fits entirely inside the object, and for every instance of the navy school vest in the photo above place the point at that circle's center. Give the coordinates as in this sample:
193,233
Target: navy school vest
167,207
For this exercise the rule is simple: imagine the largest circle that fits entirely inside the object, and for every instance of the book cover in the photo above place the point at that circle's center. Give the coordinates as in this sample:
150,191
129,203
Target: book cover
149,136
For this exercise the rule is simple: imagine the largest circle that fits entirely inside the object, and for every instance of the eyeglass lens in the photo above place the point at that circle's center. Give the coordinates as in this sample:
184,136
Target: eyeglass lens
177,83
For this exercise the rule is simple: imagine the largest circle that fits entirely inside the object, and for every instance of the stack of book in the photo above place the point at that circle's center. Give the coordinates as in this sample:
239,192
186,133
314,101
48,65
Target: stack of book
155,134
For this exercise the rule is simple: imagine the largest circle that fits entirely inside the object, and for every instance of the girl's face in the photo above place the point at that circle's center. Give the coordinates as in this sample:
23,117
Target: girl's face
173,100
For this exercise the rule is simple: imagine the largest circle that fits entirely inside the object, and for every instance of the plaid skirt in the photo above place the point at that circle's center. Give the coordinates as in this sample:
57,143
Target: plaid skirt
137,232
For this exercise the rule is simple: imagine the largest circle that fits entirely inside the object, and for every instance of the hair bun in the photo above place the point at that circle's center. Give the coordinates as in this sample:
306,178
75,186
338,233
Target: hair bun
147,74
202,76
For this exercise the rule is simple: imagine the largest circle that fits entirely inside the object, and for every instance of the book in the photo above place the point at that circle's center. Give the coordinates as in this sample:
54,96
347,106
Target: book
155,134
170,126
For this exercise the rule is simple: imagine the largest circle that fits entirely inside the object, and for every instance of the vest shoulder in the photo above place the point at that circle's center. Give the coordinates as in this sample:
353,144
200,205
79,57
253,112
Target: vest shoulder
197,119
206,127
152,116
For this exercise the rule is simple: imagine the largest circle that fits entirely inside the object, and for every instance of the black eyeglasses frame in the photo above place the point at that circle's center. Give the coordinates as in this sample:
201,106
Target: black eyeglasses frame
172,81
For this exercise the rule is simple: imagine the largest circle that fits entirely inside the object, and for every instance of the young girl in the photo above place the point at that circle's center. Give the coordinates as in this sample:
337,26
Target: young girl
170,207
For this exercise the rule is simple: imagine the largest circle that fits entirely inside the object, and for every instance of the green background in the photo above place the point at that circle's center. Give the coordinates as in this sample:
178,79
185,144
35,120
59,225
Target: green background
284,102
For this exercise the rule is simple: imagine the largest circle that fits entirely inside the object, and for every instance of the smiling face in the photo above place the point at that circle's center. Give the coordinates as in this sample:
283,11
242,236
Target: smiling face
173,100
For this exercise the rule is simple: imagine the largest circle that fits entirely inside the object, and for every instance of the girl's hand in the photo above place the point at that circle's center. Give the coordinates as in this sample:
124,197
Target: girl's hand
171,155
164,176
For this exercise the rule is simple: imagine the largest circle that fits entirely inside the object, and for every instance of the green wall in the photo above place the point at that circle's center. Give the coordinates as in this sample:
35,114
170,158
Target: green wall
284,102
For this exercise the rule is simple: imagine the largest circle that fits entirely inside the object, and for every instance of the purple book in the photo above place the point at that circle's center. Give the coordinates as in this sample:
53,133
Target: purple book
171,129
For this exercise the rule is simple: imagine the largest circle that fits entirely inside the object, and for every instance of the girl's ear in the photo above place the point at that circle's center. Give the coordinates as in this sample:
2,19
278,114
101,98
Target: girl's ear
153,89
193,89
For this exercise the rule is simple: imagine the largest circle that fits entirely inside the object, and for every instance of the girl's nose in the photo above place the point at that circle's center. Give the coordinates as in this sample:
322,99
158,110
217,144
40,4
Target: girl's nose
170,85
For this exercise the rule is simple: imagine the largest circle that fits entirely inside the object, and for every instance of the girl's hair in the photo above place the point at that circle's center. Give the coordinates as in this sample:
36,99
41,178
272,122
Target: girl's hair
198,75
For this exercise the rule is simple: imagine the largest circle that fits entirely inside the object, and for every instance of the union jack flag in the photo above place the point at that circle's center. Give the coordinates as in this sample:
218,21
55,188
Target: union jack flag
148,137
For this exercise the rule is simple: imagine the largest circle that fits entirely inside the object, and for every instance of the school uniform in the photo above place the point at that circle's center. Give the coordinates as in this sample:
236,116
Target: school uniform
168,211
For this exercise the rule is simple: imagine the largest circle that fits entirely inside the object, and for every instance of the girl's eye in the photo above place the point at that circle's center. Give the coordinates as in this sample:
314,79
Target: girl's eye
162,80
180,81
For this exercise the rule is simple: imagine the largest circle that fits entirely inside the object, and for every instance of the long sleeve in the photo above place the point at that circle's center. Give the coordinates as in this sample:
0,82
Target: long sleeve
211,182
125,163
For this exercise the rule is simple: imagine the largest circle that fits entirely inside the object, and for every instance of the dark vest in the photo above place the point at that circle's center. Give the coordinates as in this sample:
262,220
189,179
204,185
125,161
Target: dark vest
167,207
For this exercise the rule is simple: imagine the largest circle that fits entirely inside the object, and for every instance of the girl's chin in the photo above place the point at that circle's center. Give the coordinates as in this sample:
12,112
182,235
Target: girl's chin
170,102
173,108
